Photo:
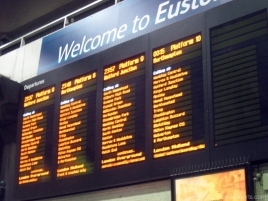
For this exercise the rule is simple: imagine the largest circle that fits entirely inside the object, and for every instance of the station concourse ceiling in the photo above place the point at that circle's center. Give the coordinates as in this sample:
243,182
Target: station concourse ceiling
18,17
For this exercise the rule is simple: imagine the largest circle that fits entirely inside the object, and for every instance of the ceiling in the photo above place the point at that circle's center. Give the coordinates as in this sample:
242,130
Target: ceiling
18,17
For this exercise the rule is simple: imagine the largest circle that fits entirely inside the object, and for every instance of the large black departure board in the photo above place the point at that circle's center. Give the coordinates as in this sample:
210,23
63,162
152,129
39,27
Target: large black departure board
187,94
239,55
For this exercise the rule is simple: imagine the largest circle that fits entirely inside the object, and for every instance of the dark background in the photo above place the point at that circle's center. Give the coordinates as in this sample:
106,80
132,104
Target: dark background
19,17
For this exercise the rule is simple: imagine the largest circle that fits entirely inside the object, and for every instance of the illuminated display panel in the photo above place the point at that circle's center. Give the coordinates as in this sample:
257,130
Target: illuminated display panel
123,113
225,185
178,114
76,142
122,137
35,148
239,75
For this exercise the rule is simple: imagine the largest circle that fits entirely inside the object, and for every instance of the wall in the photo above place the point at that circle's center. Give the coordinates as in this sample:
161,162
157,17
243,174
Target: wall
21,64
7,168
153,191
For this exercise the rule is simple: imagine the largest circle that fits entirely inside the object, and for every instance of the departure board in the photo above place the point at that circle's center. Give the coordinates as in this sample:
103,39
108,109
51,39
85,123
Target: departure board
76,136
123,113
35,148
180,98
178,104
239,55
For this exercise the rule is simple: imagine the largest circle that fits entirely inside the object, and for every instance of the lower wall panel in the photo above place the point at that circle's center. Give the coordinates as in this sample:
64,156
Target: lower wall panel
152,191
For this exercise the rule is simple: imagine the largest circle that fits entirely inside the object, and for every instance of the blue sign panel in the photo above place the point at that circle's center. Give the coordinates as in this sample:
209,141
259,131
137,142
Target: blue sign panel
112,26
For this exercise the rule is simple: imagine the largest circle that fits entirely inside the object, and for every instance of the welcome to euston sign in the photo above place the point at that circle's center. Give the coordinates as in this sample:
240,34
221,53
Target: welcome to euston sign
115,25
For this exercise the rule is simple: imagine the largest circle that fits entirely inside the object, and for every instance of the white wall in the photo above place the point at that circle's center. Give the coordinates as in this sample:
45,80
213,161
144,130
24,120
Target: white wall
21,64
